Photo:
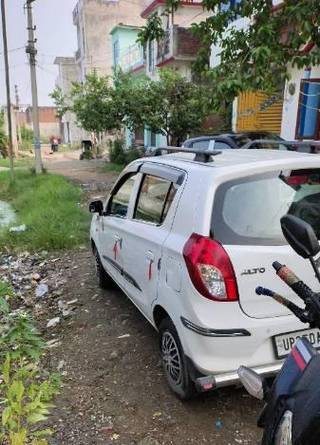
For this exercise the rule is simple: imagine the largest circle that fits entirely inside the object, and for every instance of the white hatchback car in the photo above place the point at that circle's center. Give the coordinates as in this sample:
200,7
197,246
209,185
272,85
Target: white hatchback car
188,239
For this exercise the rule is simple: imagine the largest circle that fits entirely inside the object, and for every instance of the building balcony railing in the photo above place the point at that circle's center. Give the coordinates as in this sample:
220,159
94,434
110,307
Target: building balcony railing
132,58
178,43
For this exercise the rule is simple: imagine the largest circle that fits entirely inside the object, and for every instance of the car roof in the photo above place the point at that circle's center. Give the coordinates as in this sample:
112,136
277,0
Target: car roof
209,136
237,159
231,135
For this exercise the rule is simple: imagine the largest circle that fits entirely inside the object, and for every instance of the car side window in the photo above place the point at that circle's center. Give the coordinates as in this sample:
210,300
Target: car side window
219,145
201,145
119,203
154,200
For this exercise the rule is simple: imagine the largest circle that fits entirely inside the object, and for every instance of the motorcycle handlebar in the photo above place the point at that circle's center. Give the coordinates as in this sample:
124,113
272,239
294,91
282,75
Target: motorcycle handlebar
296,310
295,283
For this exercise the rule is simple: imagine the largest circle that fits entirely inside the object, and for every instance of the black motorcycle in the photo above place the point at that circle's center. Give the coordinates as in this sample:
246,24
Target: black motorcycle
291,415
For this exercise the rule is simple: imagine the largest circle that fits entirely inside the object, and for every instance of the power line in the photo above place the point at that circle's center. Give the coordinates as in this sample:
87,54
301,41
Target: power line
55,75
15,66
13,50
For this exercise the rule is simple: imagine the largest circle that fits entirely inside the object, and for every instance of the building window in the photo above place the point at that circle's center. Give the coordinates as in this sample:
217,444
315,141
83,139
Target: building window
151,56
308,123
116,53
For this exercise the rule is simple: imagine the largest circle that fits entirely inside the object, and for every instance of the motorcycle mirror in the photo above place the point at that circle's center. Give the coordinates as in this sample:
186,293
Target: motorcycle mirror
253,382
300,235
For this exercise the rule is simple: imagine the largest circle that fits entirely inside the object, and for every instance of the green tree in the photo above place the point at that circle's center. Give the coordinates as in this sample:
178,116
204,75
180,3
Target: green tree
153,30
96,104
256,57
174,106
60,101
132,96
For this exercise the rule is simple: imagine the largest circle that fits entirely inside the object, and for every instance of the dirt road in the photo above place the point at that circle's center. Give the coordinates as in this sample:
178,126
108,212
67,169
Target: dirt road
114,390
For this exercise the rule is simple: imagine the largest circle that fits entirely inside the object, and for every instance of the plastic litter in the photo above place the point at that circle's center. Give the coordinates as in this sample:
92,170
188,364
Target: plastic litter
18,229
53,322
124,336
41,290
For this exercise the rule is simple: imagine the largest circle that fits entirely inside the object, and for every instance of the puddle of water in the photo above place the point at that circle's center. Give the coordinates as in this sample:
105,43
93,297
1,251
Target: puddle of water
7,215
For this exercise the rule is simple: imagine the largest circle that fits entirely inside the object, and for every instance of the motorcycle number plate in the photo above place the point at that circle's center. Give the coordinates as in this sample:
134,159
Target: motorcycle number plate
284,343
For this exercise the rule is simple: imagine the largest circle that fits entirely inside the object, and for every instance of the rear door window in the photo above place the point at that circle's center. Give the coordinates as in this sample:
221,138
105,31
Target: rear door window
248,210
154,200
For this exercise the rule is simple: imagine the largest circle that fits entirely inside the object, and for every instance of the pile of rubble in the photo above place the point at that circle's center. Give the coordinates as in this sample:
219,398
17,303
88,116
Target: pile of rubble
38,280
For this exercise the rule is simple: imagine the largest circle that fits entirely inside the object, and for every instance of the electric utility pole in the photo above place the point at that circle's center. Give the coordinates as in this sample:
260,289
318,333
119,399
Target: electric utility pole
6,63
31,50
16,90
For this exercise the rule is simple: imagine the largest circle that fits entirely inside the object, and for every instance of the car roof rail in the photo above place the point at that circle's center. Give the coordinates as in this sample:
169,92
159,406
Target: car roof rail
200,155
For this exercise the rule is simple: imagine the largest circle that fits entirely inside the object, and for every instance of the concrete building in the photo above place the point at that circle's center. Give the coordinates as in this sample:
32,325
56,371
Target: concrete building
68,73
178,49
293,114
48,121
22,118
94,20
301,105
252,110
127,54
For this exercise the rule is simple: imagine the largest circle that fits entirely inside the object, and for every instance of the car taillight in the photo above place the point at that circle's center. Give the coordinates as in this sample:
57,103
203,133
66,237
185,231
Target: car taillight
210,269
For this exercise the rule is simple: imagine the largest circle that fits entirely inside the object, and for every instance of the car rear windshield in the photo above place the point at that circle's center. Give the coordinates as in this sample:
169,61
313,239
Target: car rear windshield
248,210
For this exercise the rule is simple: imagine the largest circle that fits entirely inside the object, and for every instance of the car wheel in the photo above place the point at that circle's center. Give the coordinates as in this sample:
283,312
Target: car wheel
104,279
174,361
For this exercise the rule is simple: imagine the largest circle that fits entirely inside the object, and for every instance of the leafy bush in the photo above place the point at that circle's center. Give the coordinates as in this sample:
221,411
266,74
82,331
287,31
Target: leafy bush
118,155
26,142
3,138
26,390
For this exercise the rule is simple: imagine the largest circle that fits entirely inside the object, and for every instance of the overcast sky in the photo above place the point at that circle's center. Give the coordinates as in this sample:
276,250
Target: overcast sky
56,37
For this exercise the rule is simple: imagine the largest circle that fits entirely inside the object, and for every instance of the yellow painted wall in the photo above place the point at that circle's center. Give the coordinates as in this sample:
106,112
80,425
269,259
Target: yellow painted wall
250,116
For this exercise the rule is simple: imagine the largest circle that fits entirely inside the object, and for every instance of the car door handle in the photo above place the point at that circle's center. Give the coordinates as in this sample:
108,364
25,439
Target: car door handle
150,255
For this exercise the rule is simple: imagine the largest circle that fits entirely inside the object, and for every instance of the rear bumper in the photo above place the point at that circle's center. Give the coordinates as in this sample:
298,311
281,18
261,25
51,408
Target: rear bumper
231,378
220,351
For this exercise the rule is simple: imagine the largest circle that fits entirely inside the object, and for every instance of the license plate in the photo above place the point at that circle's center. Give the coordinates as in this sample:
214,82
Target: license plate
284,343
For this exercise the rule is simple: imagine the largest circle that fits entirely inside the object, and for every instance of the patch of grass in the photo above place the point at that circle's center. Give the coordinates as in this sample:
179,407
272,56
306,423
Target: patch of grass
49,206
19,163
112,167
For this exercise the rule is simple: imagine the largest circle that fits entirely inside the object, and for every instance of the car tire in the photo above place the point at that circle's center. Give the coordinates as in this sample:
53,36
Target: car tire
104,279
174,361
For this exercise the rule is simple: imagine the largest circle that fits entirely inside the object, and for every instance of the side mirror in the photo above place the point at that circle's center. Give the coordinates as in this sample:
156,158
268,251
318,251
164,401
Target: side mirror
253,383
96,207
300,235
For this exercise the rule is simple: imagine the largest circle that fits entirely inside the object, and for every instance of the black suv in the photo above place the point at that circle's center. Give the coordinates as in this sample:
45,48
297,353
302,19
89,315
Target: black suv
231,140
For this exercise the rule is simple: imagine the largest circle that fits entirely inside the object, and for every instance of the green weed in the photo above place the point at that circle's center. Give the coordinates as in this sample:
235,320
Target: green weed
49,206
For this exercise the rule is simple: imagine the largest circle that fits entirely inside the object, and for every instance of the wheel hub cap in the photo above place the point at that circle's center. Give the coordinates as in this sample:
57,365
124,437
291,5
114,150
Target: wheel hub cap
171,358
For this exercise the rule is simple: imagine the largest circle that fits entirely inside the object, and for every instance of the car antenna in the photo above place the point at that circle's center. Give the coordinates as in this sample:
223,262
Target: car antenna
200,155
